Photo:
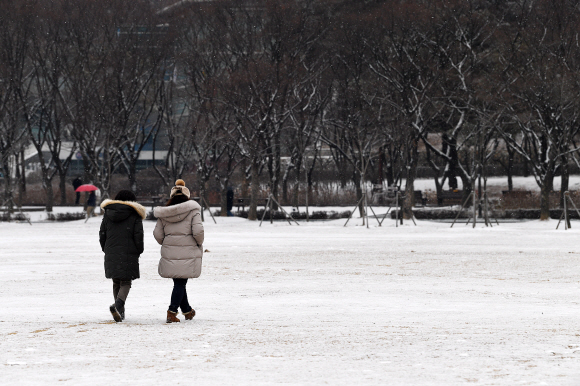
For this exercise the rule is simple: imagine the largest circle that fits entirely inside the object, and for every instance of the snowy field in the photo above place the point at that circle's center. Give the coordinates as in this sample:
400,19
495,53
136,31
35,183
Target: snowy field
300,305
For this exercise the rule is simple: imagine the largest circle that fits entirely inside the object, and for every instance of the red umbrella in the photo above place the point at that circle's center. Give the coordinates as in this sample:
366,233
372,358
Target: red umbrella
86,188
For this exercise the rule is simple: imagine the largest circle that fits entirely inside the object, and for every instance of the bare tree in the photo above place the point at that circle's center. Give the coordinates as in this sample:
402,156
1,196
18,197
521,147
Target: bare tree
105,86
462,44
355,113
543,89
174,133
308,100
206,63
131,101
89,33
15,75
237,48
406,66
47,125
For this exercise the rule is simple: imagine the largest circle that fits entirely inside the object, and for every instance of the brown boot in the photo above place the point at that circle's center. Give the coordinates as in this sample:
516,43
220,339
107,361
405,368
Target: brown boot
171,317
189,315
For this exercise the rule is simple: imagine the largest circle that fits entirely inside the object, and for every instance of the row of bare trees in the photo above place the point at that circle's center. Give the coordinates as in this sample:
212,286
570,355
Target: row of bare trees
382,87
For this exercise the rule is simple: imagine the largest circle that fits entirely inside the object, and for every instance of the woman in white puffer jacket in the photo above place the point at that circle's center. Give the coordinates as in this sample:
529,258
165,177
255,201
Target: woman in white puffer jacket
180,232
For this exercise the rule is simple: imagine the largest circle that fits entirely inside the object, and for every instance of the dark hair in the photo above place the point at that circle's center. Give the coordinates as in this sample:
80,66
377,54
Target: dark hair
125,195
177,199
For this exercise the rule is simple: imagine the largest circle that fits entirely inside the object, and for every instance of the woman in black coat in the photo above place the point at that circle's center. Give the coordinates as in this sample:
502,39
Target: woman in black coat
121,238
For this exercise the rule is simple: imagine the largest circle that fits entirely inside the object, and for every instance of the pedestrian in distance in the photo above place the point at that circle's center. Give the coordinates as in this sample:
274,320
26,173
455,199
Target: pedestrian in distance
76,183
229,201
180,232
91,203
121,238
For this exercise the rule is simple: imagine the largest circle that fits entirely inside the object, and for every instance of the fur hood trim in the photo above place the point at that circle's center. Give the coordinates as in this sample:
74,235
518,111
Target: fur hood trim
175,211
140,209
179,190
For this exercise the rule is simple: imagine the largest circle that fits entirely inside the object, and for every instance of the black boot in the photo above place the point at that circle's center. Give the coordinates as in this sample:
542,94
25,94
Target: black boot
118,310
120,306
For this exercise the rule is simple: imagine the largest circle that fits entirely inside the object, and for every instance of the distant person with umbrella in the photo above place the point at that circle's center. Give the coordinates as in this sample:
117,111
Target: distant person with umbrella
91,200
76,183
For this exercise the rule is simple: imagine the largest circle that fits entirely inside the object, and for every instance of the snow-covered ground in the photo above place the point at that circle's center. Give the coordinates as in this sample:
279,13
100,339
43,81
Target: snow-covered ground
312,304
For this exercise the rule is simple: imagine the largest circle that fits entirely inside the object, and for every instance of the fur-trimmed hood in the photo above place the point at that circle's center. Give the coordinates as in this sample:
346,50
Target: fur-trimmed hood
118,206
175,213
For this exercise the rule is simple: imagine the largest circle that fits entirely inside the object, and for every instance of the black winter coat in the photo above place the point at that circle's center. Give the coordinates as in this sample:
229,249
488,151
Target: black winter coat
121,238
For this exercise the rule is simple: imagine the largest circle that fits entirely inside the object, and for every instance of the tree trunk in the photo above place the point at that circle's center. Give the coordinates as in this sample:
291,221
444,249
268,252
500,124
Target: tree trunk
224,198
23,179
285,184
342,173
244,187
87,172
380,174
466,186
544,203
18,177
133,176
298,171
276,172
206,191
224,203
509,169
310,183
284,190
62,186
545,190
203,193
7,201
253,212
408,202
357,183
565,181
105,174
412,161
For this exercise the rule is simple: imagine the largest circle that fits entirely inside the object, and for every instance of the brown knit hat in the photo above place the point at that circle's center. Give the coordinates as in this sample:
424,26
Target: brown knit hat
179,188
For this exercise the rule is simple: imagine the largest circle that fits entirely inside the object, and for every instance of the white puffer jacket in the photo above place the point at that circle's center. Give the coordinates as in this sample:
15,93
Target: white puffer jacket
180,232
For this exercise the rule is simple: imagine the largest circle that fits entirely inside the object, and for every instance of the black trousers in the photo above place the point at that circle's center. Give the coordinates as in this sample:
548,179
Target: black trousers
179,296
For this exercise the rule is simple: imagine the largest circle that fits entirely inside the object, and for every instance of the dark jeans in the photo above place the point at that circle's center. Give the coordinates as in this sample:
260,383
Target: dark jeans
179,296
